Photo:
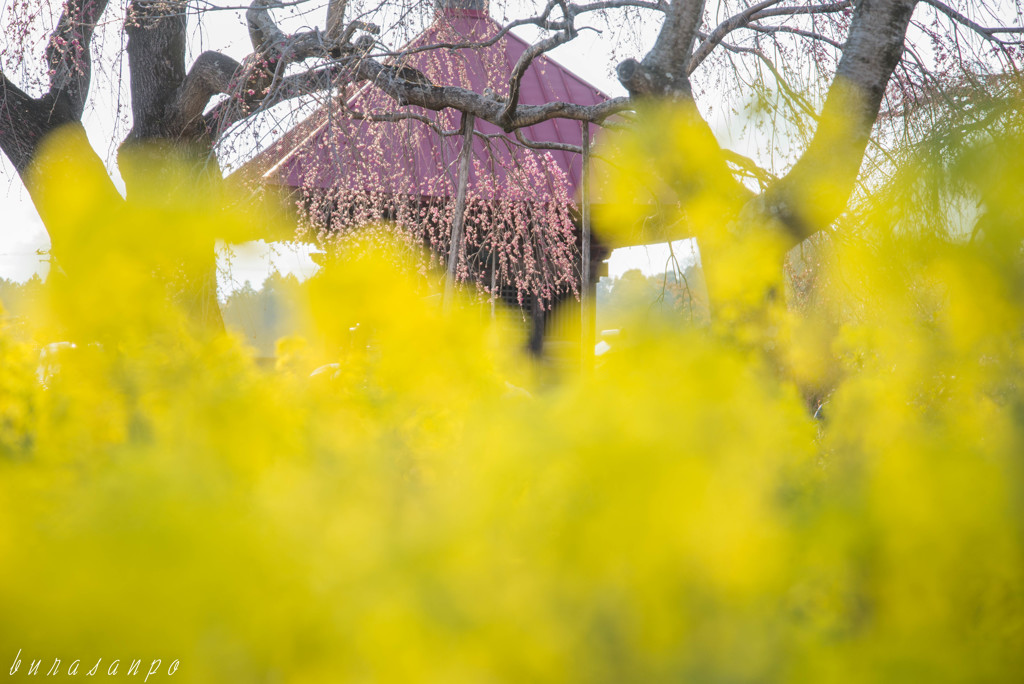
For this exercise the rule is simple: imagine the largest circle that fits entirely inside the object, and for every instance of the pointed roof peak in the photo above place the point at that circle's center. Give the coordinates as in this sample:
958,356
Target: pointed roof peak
461,7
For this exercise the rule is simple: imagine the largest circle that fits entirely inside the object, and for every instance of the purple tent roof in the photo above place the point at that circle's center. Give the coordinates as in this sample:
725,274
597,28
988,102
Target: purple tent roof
332,149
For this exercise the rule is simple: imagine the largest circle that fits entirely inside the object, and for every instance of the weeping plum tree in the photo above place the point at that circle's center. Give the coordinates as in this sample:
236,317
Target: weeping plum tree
853,57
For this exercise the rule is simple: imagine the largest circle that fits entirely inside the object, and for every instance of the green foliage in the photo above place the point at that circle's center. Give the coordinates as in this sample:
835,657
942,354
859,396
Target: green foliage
266,315
674,295
18,300
413,515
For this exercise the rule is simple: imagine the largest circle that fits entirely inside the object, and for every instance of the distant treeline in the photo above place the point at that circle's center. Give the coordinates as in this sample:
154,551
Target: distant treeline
633,297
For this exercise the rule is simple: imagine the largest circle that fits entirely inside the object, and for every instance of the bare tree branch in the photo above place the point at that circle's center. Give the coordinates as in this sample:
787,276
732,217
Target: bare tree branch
67,52
660,6
212,73
263,31
405,85
725,28
523,63
988,33
539,145
238,107
761,10
405,92
25,121
796,10
259,82
541,20
748,166
761,28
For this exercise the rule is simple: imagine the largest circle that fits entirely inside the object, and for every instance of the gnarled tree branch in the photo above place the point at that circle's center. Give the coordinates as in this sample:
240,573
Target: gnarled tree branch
263,31
402,83
212,73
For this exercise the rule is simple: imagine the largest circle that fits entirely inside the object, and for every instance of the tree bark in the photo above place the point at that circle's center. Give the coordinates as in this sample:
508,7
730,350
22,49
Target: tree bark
664,71
156,63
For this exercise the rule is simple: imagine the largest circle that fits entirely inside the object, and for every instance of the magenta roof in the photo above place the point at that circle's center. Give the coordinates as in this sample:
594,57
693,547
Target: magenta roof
333,150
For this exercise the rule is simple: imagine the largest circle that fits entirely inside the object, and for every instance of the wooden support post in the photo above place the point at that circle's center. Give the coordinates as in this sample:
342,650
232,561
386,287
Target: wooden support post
494,282
459,220
586,297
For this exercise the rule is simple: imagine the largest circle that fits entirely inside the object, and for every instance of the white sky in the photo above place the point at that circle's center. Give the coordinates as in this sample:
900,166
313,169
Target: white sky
592,55
653,259
253,261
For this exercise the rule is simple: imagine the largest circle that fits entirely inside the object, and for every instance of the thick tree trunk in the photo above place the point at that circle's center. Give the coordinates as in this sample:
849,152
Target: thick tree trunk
664,71
167,100
170,140
817,189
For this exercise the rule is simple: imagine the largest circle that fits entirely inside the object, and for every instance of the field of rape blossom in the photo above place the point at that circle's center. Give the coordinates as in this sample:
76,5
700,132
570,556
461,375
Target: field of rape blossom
678,515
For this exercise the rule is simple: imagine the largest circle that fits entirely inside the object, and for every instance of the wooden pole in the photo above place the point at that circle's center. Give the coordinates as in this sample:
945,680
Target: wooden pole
586,300
459,220
494,281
